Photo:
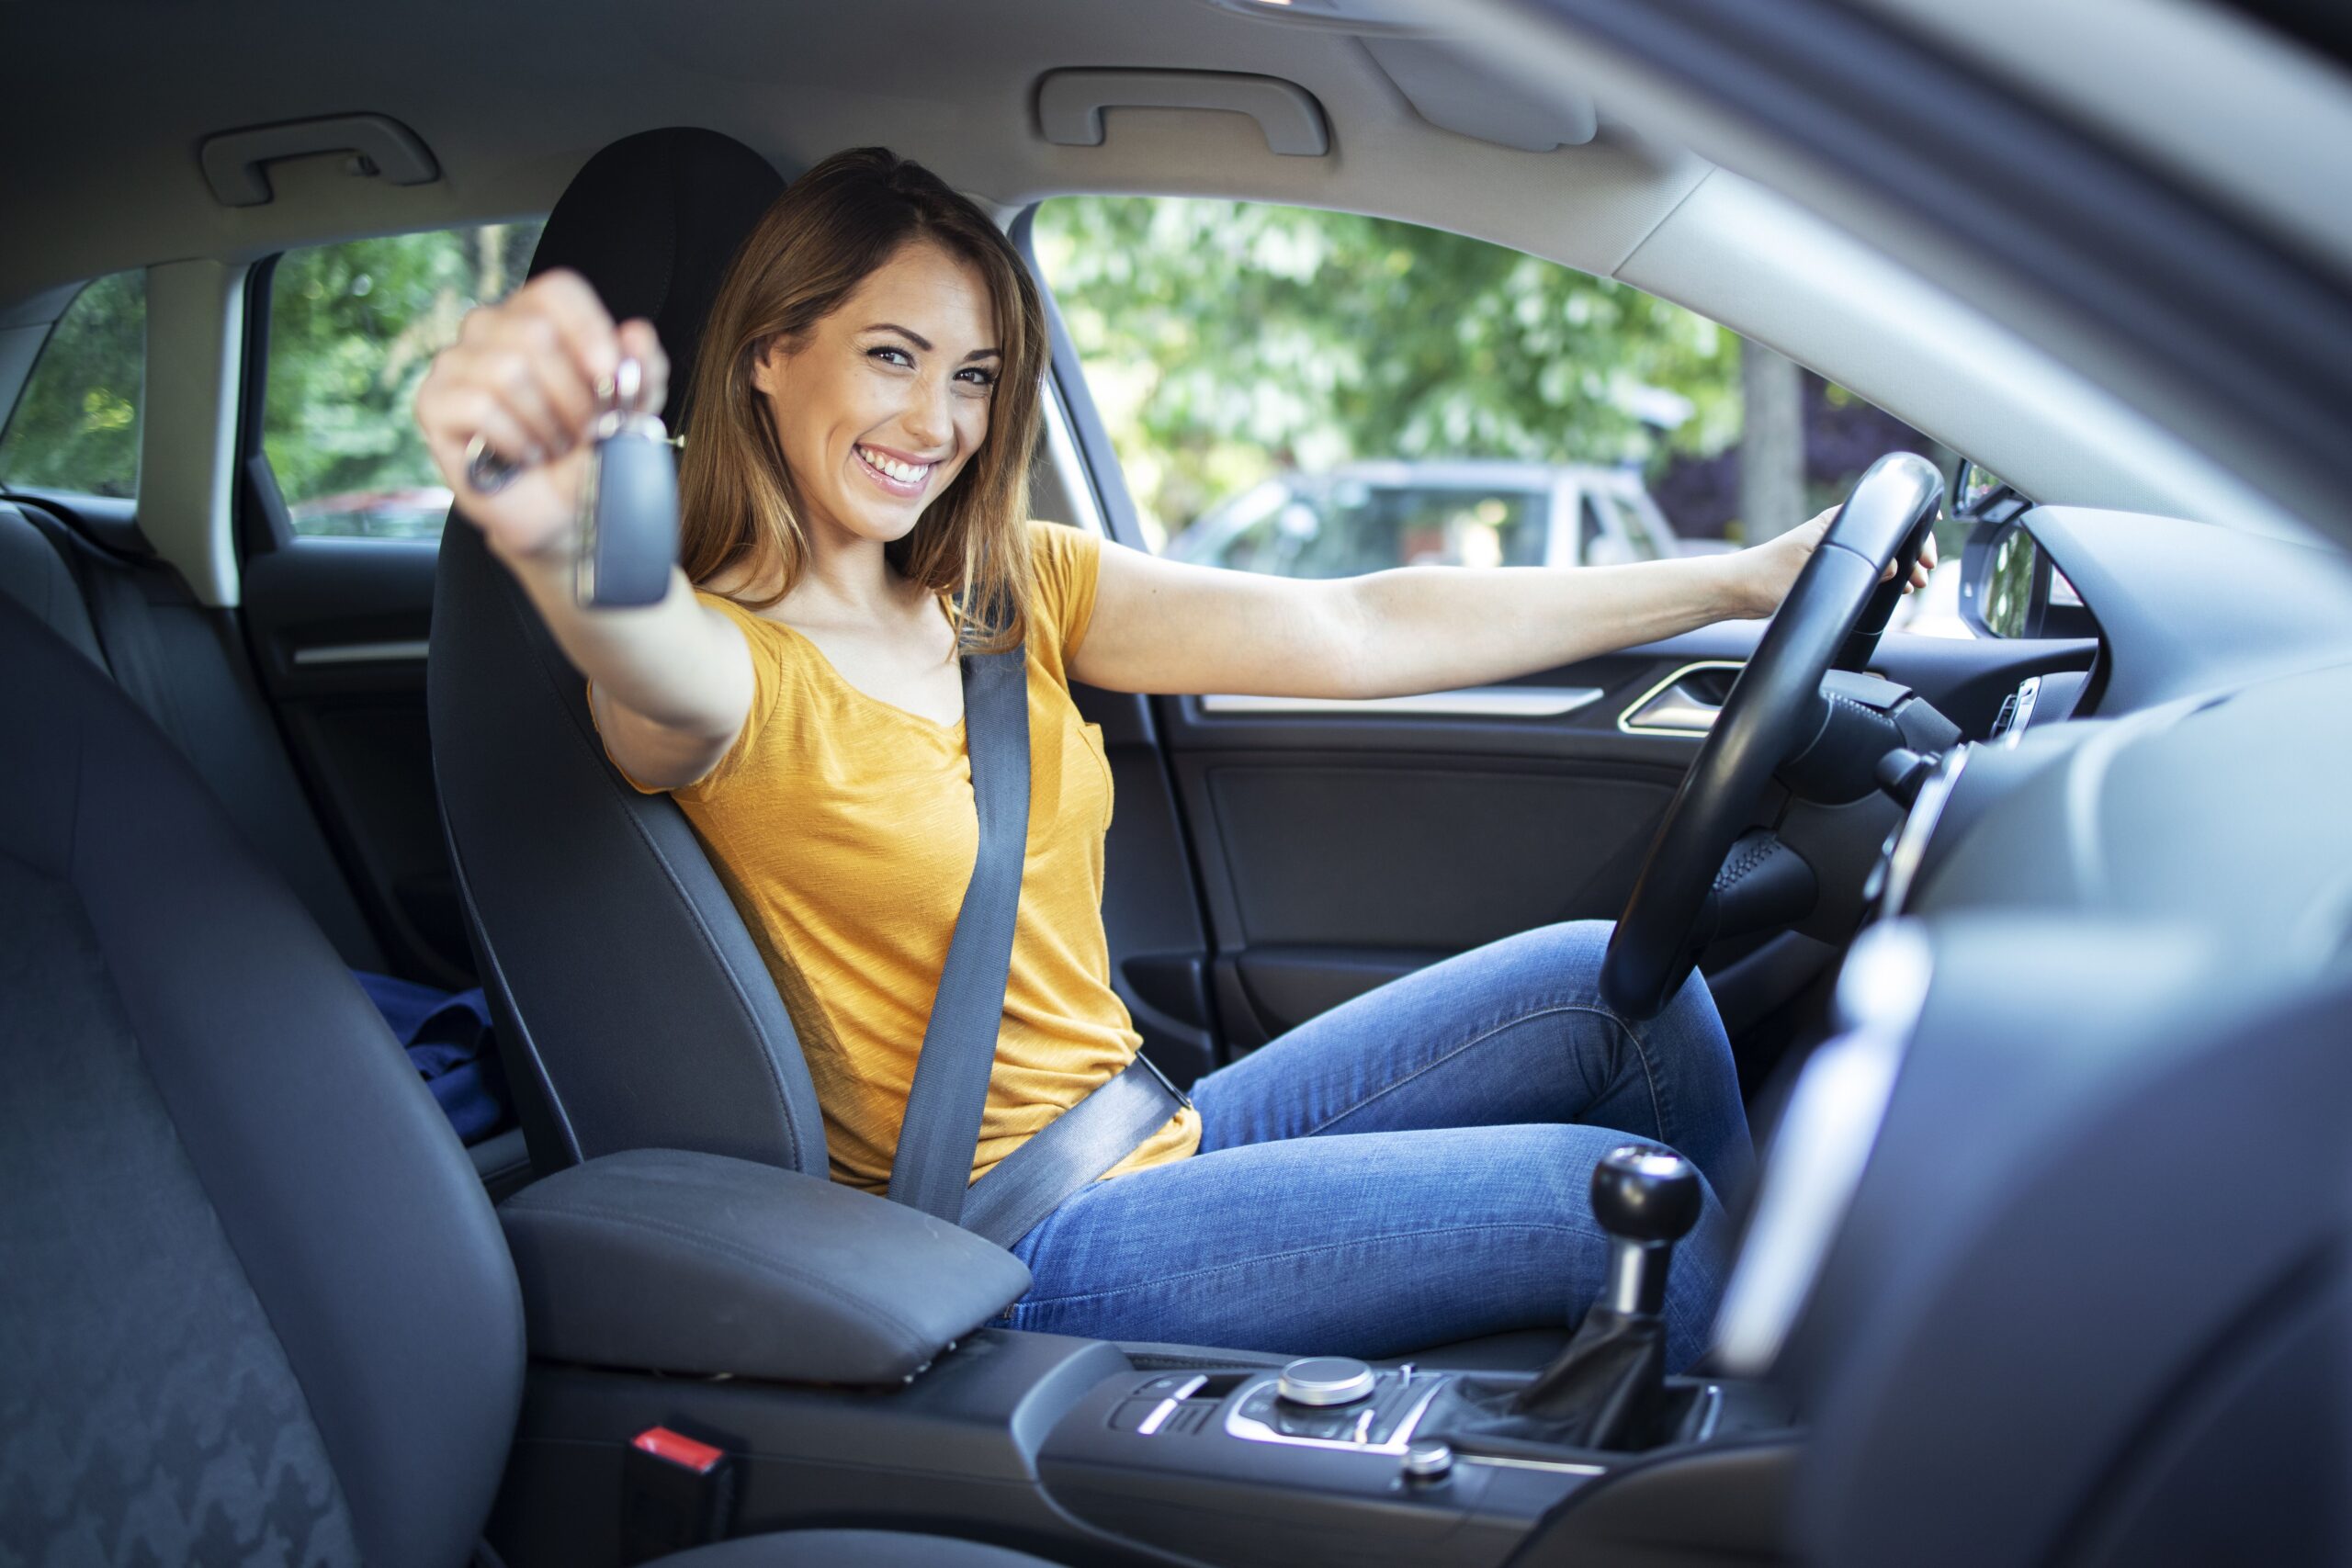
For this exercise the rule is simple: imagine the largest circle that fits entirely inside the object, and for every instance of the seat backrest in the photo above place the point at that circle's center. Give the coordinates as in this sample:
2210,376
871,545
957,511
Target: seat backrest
35,577
253,1298
633,1006
185,666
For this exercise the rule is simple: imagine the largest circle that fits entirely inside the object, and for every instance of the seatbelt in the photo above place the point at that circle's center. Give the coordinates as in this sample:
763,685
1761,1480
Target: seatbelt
932,1168
942,1126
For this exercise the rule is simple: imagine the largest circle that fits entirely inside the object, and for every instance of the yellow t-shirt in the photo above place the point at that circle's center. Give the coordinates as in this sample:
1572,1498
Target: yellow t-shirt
844,830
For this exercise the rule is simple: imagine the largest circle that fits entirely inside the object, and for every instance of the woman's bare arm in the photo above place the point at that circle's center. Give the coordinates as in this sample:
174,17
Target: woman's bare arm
672,680
1166,627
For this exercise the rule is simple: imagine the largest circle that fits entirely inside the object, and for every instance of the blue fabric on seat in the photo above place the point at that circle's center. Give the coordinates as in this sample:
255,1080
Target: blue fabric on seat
447,1037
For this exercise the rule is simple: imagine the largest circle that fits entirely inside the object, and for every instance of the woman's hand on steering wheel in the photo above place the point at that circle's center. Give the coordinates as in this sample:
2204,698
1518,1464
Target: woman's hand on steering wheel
1770,569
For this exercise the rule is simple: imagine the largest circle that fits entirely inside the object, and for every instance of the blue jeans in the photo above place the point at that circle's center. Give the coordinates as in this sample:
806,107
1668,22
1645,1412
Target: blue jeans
1411,1168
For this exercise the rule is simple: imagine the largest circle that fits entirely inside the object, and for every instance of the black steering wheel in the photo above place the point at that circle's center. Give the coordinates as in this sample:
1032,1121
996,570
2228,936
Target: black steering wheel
1832,618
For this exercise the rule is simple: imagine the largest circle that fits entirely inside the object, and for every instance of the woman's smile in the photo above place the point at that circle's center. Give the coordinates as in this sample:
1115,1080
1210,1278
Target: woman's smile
895,472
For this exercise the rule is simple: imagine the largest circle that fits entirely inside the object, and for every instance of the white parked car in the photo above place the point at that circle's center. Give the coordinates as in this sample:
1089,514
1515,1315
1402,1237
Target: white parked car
1367,517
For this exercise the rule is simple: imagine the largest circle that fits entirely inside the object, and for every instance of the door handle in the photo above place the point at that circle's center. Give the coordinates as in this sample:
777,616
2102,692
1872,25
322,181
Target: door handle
1685,703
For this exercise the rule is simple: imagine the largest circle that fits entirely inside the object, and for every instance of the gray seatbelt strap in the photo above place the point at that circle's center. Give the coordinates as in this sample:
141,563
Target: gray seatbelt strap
942,1127
932,1168
1076,1146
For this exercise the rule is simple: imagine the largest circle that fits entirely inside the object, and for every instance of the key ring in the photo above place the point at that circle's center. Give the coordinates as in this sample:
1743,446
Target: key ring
486,470
489,472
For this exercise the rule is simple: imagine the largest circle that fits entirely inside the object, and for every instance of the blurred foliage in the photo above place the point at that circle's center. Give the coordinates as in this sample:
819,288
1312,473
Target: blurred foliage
77,426
1225,340
352,330
353,327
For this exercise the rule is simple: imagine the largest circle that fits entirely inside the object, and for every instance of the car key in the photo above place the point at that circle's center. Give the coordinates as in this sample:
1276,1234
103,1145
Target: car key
627,512
628,502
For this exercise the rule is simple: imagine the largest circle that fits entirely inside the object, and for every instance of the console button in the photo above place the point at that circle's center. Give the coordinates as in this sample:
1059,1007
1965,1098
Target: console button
1427,1460
1132,1414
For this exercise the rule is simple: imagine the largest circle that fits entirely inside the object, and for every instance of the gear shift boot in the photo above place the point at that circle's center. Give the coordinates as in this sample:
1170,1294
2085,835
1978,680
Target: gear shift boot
1608,1389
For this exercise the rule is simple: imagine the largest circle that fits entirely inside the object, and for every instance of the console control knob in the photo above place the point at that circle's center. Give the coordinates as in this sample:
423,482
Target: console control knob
1429,1460
1324,1381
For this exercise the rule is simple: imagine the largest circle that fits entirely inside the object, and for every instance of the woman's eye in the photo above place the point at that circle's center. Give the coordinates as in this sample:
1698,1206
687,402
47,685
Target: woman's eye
902,357
977,376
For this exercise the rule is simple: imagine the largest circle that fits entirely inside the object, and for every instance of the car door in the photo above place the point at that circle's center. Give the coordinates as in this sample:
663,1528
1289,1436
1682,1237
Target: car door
1335,845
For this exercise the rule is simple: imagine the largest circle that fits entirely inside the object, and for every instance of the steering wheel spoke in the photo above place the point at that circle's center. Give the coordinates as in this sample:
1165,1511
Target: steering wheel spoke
1763,884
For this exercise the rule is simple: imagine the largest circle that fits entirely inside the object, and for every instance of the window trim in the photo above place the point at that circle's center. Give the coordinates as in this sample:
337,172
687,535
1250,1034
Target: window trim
258,511
1091,438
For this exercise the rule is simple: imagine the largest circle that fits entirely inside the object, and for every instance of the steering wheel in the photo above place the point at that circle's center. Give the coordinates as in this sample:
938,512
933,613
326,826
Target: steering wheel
1832,617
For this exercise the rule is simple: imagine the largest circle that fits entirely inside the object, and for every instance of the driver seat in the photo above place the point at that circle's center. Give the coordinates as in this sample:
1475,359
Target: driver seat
633,1008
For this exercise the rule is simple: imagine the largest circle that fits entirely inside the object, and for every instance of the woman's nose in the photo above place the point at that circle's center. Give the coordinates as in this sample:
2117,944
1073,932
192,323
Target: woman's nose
929,419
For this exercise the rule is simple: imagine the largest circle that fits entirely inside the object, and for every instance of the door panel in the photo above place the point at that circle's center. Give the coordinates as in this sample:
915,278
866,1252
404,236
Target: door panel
338,630
1337,850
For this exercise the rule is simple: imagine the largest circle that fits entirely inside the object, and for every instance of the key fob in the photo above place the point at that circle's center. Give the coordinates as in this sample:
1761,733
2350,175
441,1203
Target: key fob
628,507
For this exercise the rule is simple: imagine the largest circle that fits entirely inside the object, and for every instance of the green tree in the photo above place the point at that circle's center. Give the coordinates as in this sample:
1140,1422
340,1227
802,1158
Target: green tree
352,330
1225,340
77,426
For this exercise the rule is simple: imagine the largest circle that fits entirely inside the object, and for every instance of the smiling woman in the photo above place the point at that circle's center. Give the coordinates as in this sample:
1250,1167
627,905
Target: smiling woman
861,416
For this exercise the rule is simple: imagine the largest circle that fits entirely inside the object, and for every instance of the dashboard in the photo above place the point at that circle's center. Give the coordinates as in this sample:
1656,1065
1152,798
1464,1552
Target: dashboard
2140,858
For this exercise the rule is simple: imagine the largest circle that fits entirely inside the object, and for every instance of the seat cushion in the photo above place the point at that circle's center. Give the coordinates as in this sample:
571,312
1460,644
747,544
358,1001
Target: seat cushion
850,1549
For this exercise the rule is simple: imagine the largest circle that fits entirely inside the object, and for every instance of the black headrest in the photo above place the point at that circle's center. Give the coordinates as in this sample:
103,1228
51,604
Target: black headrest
652,222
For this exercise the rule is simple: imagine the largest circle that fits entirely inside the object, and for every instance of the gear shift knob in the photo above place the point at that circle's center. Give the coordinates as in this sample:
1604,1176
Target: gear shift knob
1647,1199
1642,1192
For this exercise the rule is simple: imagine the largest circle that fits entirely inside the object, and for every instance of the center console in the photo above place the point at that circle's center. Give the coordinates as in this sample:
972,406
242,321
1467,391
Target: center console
1228,1467
1084,1452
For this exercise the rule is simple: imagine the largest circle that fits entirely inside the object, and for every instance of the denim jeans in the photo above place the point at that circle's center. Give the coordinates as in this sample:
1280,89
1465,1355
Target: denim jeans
1411,1168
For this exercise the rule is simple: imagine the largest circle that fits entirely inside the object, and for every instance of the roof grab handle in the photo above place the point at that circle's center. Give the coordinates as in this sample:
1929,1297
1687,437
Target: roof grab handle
1070,104
232,160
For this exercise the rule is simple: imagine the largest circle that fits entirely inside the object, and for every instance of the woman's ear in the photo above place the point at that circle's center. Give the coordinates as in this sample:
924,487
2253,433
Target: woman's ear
767,365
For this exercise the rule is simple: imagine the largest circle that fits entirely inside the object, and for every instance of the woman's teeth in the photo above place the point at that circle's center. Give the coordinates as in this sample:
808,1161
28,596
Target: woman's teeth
905,473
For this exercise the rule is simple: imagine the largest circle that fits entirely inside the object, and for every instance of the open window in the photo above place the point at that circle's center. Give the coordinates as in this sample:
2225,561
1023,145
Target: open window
351,329
76,425
1317,394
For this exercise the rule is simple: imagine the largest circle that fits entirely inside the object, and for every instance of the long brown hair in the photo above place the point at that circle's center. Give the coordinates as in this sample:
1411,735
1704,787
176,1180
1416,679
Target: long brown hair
831,228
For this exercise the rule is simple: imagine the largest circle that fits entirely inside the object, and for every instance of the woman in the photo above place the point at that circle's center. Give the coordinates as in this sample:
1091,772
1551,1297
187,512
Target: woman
1409,1168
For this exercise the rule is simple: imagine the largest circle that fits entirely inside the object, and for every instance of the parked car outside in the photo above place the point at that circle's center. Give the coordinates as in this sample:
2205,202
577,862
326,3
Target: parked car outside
1368,516
416,513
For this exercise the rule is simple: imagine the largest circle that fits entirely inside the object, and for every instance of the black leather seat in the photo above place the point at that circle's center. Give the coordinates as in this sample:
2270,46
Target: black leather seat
632,1006
255,1305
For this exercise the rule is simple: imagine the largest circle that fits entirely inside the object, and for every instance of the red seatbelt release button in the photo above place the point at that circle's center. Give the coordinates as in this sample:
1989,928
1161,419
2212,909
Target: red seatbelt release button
679,1450
676,1492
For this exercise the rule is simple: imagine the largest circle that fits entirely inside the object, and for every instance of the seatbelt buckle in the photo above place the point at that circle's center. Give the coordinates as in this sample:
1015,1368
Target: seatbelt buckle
676,1492
1165,1081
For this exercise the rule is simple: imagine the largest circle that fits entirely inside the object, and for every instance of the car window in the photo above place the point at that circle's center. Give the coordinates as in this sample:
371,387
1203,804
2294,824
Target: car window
1347,524
1645,531
77,426
352,329
1418,394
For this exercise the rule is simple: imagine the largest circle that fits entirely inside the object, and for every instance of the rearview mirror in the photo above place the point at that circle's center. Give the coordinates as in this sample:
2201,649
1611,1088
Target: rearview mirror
1977,493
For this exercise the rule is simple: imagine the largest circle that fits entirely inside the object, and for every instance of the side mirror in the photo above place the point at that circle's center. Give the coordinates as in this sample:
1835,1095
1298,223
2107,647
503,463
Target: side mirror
2004,581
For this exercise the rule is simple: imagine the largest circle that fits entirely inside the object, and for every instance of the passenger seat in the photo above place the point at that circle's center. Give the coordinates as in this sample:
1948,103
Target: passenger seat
255,1305
138,625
